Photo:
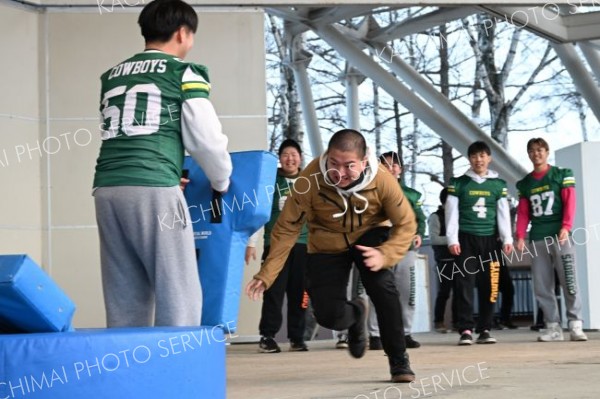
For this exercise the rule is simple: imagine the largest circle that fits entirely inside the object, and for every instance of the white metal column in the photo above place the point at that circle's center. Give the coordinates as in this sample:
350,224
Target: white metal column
352,79
300,61
580,75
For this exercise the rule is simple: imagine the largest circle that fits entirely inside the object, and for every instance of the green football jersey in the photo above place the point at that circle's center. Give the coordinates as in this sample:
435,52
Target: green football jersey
414,197
283,188
140,106
477,204
545,200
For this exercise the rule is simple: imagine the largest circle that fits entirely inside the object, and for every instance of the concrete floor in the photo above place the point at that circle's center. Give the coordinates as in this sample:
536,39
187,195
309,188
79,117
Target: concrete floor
516,367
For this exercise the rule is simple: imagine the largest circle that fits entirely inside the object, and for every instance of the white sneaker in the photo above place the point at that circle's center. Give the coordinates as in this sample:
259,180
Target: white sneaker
553,332
576,330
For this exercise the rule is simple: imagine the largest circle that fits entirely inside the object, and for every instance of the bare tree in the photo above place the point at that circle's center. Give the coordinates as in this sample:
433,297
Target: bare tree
447,158
493,79
285,112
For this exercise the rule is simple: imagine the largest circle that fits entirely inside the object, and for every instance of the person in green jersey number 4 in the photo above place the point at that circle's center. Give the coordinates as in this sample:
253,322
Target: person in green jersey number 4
290,280
477,211
547,199
153,105
404,272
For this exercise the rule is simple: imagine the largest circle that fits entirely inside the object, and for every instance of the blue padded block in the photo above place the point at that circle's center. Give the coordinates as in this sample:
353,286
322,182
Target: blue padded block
148,363
30,301
221,230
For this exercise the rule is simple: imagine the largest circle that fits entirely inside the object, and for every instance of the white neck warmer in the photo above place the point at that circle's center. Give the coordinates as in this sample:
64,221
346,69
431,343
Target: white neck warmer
491,174
368,175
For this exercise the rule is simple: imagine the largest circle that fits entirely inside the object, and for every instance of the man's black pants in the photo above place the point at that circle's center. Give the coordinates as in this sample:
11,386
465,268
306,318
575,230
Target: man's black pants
327,279
291,282
478,264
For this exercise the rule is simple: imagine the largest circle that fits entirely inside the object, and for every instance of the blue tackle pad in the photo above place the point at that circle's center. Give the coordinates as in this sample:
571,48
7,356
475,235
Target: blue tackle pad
222,226
30,301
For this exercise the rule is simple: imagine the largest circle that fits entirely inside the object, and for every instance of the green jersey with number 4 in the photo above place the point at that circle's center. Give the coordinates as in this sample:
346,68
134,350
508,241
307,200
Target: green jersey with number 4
140,106
545,200
477,204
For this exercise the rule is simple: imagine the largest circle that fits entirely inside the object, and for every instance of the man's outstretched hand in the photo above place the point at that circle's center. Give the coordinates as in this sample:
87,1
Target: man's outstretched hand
255,289
373,257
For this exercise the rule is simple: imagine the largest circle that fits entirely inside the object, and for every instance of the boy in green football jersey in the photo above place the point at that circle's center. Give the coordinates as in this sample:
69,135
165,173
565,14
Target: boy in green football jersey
547,199
477,211
290,281
404,271
153,106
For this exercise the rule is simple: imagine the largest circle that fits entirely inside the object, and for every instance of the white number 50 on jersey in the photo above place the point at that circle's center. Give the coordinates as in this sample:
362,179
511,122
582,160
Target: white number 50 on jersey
123,120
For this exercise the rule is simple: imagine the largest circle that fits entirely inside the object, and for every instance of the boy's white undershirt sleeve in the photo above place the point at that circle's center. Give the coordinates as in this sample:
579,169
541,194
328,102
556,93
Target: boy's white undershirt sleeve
451,210
205,142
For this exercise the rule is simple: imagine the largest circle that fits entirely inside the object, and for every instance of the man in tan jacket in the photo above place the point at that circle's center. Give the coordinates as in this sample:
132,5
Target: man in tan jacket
346,199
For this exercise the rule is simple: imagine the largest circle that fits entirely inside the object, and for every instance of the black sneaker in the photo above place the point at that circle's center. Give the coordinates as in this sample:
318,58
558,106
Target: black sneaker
497,325
400,369
440,327
268,345
375,344
466,338
410,342
486,338
357,336
298,346
509,324
342,342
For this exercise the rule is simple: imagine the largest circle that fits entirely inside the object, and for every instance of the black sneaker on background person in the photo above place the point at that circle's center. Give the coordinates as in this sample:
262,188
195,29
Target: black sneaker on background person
466,338
268,345
537,327
410,342
298,346
508,324
501,324
357,333
342,342
400,369
440,327
485,338
375,343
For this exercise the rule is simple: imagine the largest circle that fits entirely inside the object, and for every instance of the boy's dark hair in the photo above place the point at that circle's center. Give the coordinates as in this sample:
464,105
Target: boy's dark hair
477,147
443,195
390,154
348,140
289,143
539,141
161,18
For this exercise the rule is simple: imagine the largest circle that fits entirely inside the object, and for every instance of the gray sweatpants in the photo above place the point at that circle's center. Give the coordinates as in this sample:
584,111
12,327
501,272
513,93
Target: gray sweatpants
404,276
548,256
147,255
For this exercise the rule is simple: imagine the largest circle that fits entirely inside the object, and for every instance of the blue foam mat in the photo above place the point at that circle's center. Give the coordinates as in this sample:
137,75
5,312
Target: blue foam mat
148,363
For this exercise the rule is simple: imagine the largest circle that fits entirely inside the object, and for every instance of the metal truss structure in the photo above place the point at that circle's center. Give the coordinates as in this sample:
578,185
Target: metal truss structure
565,24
